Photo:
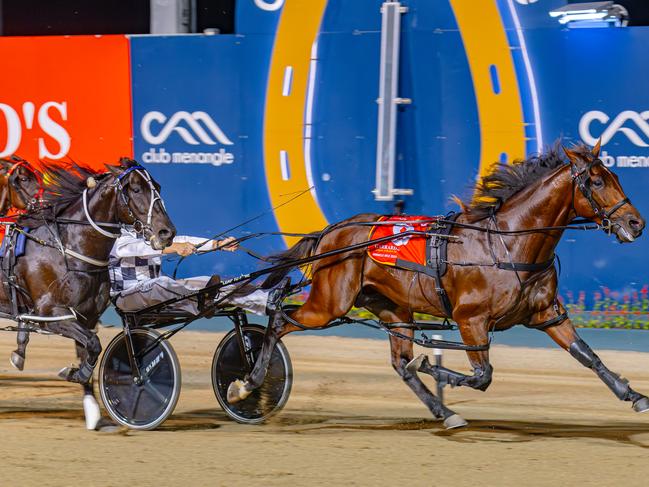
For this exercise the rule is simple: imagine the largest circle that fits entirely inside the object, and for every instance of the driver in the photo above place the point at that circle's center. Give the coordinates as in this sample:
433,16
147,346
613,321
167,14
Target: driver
137,282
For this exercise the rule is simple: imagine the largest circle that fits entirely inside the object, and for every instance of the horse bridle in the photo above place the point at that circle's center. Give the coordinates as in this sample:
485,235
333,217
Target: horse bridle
120,186
581,179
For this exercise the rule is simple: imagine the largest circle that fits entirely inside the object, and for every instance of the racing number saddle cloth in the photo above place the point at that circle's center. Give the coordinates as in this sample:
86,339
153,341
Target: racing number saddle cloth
401,251
419,253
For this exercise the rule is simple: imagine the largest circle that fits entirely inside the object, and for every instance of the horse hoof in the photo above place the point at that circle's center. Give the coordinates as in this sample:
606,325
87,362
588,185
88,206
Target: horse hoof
641,405
415,363
237,391
17,360
105,425
454,421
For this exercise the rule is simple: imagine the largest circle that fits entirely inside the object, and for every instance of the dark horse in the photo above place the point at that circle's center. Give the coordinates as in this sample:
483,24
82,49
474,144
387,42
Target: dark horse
542,191
64,275
20,185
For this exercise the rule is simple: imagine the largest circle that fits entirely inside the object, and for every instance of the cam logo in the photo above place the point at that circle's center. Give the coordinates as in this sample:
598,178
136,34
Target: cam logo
193,128
633,125
596,124
30,117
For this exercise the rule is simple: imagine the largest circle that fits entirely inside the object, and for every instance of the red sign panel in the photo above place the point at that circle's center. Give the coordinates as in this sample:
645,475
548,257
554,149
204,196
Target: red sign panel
66,98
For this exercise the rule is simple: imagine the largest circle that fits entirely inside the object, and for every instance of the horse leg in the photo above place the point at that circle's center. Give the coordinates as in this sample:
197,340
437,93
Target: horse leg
473,332
22,339
89,343
402,354
88,350
565,335
330,298
91,409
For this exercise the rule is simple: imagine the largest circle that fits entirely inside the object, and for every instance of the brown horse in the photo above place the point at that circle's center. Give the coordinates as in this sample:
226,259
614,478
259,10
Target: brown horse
485,290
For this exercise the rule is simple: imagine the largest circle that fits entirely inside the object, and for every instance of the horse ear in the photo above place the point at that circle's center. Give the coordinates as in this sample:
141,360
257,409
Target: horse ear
115,170
597,147
571,154
126,162
91,182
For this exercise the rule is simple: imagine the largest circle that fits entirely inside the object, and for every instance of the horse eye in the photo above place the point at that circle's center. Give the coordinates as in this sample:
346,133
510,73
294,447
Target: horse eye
23,178
598,183
135,189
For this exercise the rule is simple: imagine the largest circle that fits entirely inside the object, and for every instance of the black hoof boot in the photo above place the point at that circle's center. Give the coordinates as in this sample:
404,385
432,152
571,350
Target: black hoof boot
69,374
80,375
641,405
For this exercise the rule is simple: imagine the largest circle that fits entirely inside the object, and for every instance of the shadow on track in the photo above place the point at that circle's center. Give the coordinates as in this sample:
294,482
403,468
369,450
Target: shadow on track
525,431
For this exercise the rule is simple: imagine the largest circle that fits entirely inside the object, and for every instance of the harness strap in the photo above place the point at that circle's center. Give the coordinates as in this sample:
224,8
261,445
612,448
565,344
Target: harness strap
91,221
437,261
551,322
616,207
63,250
85,258
525,267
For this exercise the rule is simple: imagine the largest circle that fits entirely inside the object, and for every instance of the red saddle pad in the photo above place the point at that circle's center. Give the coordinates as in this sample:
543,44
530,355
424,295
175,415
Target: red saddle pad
410,248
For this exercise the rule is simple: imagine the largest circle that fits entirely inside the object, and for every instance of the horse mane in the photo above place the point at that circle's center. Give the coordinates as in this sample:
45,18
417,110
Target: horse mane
491,192
63,184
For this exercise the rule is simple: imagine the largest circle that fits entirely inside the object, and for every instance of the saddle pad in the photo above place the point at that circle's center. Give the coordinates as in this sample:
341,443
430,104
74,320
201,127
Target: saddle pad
20,244
411,248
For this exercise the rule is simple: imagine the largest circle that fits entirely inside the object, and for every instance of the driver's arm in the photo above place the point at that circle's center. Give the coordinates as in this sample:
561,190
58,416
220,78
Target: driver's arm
184,245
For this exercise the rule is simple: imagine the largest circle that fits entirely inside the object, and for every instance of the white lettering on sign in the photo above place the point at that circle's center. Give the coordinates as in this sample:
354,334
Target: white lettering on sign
47,124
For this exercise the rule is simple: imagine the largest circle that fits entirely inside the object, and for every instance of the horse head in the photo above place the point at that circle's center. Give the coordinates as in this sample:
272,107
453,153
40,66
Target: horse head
139,203
21,184
598,196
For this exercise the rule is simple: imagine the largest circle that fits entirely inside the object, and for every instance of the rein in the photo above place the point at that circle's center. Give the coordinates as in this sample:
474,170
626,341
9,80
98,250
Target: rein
94,225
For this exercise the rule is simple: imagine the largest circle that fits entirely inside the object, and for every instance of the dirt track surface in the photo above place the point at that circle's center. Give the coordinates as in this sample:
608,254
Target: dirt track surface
350,420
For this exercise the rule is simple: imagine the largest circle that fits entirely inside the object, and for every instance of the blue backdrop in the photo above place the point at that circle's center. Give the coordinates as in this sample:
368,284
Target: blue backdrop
199,107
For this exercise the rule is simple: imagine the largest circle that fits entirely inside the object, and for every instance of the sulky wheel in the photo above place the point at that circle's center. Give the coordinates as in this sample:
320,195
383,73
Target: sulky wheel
229,365
144,402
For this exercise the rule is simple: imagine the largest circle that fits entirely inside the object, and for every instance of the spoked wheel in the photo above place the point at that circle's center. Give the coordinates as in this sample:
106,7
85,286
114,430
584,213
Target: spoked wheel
140,401
230,364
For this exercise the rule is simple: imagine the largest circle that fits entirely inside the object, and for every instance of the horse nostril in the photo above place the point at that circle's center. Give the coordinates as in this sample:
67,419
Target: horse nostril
164,234
636,224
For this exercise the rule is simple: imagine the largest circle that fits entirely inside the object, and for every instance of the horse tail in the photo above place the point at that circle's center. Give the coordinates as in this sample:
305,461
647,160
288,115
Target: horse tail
300,250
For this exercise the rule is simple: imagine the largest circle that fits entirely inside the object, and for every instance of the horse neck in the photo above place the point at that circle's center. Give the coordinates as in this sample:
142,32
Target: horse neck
547,203
102,208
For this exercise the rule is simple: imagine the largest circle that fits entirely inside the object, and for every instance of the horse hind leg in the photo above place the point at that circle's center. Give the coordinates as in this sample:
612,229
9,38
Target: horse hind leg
17,358
330,298
88,349
401,351
473,332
